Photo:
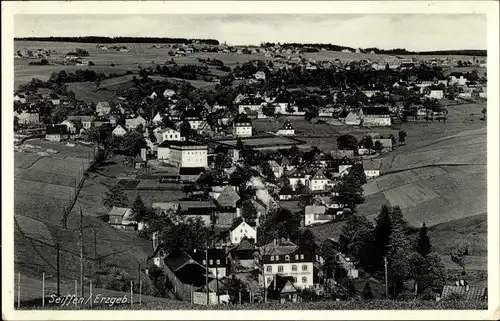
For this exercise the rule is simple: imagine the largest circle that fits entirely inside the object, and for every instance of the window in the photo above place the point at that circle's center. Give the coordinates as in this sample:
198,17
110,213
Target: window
212,262
269,280
272,258
304,279
245,231
280,268
302,256
277,257
304,267
269,268
236,239
287,257
294,267
241,231
218,261
204,262
296,256
294,279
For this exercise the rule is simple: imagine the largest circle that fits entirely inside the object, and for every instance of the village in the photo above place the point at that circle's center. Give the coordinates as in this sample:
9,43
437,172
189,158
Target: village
234,237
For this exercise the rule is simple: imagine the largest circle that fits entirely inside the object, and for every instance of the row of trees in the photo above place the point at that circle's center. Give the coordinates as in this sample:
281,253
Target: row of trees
389,239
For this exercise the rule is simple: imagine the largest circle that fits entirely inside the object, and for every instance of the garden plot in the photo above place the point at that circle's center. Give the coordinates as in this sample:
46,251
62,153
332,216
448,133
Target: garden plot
25,160
409,195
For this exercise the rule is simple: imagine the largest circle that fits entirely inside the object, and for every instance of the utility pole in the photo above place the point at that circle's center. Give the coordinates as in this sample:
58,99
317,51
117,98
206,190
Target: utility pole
217,280
81,253
95,245
386,286
206,272
58,271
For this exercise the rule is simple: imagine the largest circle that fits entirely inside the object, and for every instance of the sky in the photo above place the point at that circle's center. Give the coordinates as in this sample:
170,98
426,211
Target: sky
420,32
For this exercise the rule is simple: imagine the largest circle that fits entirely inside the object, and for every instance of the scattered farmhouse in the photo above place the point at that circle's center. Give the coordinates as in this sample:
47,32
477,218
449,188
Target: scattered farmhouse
242,128
287,129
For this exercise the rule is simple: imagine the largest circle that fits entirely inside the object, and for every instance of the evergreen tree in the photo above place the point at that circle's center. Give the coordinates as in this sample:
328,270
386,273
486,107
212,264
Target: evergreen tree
139,210
351,191
382,235
378,146
423,242
248,211
268,172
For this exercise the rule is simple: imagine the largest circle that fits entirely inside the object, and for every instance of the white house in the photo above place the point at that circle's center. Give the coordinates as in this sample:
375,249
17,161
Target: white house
153,95
132,123
372,168
375,116
121,217
287,259
71,127
242,128
183,154
319,181
315,214
157,119
103,108
296,177
353,119
276,168
457,78
434,92
20,98
167,134
119,131
287,129
250,104
241,229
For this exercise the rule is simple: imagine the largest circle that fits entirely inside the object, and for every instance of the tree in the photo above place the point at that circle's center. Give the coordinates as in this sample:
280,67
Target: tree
115,197
351,191
357,239
139,210
133,142
382,236
369,143
239,144
268,110
268,172
248,211
459,254
346,142
235,287
358,172
16,123
188,235
423,242
305,197
97,83
367,293
378,146
393,139
402,136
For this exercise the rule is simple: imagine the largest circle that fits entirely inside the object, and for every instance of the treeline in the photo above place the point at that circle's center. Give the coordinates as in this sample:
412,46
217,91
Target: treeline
93,39
468,52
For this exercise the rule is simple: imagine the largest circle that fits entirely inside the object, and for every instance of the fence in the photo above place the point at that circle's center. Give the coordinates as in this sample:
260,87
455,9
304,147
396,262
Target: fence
30,293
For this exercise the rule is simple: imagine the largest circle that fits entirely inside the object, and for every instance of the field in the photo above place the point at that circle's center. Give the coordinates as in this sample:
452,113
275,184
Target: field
87,92
262,142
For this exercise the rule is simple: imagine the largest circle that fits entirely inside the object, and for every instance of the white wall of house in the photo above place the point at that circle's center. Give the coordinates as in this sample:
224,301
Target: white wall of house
286,132
377,121
302,271
294,181
119,131
242,230
242,131
343,169
318,184
183,157
437,94
372,173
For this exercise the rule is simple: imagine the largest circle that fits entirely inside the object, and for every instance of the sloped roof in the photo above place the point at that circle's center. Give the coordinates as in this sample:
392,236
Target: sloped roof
118,211
287,125
281,284
319,175
185,205
282,247
315,209
228,197
371,164
56,129
376,111
470,293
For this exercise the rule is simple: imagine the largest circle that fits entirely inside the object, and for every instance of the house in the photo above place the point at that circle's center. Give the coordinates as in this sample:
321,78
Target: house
184,273
133,123
190,174
153,95
157,119
386,146
122,218
87,121
165,208
217,264
260,75
298,176
243,256
344,164
370,93
54,99
183,154
371,167
315,214
250,104
434,92
318,182
103,108
20,98
167,134
56,133
287,259
193,118
457,78
375,116
287,129
466,291
119,131
242,128
241,230
353,118
283,289
70,126
29,116
227,197
276,168
204,210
